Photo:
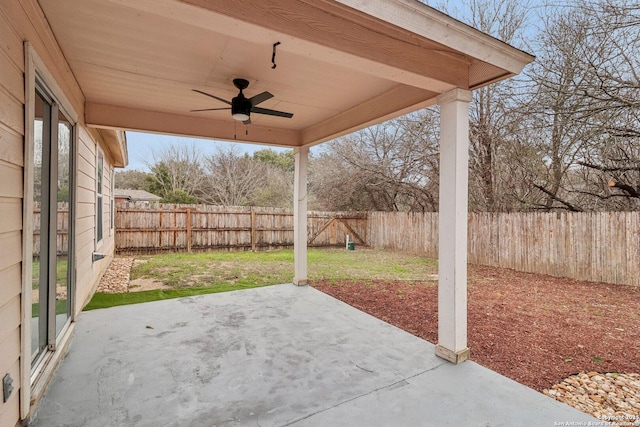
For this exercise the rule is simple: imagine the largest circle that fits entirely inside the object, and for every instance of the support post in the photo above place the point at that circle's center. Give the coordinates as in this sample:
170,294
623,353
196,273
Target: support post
301,156
452,232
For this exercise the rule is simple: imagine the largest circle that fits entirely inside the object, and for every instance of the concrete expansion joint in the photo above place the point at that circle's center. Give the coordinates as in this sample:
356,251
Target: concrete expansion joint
394,385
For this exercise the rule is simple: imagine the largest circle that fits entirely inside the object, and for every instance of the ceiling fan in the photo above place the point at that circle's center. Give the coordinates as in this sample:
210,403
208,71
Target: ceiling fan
241,107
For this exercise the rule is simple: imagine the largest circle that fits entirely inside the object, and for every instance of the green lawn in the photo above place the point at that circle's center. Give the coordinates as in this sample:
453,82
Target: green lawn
61,307
61,272
211,272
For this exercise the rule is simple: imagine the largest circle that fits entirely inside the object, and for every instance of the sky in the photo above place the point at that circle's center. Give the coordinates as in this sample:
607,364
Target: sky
141,147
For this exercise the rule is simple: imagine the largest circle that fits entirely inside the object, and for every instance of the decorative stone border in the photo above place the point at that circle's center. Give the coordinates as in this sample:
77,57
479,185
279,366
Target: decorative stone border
614,398
116,279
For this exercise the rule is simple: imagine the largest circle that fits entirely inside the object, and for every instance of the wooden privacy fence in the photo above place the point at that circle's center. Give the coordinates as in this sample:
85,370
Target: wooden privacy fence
165,227
598,246
62,229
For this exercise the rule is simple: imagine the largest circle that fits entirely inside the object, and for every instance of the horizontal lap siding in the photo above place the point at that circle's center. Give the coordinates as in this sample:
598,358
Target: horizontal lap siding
10,412
89,271
11,173
24,21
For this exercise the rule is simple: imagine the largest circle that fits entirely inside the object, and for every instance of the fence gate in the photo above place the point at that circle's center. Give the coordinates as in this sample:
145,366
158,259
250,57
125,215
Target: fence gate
332,228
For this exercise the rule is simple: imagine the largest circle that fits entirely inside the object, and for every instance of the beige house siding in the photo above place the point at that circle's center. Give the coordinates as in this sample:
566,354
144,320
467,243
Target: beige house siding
19,22
89,272
11,168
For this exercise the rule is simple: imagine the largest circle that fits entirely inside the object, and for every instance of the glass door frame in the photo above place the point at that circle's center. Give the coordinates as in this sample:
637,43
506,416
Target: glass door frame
49,332
35,376
48,329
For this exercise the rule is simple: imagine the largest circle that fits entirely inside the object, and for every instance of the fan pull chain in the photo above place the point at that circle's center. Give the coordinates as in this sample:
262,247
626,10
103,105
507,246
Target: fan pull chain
235,130
273,55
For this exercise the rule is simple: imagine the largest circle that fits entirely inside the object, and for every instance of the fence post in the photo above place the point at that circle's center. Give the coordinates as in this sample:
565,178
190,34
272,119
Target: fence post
253,229
175,230
188,230
160,230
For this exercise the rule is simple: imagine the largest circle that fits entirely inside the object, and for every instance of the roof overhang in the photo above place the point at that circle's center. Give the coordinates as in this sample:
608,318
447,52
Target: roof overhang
342,65
115,141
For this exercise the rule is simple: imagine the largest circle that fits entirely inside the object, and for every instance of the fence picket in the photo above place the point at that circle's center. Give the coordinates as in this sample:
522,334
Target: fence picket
595,246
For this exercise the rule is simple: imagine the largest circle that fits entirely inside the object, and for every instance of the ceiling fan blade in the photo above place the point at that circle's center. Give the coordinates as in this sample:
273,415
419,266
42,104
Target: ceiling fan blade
210,109
261,97
271,112
212,96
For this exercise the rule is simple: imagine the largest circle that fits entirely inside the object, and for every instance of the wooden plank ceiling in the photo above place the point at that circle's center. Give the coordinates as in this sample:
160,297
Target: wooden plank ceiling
341,64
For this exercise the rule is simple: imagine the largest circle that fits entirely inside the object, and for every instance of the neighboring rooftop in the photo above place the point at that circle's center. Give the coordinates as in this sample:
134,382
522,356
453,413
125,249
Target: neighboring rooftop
136,195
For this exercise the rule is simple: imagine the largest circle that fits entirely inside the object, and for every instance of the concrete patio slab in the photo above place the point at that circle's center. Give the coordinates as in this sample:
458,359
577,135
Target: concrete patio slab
275,356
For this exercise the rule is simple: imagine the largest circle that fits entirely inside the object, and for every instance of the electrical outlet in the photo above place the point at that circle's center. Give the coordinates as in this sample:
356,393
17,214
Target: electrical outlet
7,387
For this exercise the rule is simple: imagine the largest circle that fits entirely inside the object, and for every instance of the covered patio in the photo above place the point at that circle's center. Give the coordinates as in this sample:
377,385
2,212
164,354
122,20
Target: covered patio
283,355
275,356
318,70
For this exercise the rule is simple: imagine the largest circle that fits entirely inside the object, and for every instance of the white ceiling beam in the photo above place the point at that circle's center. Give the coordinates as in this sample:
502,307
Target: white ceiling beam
393,103
119,117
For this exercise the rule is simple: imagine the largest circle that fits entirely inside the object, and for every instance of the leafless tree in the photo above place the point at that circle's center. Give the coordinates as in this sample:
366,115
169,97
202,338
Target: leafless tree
493,118
176,169
235,179
389,167
584,109
132,180
232,179
612,57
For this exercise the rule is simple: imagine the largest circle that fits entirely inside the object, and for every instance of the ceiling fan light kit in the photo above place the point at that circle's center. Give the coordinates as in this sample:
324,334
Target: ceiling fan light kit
241,117
241,107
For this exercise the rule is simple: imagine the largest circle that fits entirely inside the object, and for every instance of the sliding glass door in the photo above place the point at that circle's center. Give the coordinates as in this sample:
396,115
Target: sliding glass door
53,236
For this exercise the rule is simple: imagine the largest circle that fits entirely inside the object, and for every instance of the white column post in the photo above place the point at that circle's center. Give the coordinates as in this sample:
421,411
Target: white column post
301,156
452,218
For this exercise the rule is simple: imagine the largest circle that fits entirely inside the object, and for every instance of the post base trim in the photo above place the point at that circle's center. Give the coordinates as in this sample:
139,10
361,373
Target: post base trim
455,357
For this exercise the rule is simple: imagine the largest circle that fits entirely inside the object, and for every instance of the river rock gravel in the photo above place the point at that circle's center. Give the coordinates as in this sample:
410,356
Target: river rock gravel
614,398
116,279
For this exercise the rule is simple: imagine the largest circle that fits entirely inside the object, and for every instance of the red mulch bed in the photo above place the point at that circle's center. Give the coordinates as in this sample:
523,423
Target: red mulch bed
532,328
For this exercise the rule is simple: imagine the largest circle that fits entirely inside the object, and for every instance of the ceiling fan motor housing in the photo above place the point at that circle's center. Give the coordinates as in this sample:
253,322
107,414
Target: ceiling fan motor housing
240,105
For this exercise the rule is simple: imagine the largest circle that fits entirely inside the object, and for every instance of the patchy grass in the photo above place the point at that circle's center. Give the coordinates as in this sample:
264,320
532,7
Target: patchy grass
369,265
273,267
241,269
202,273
